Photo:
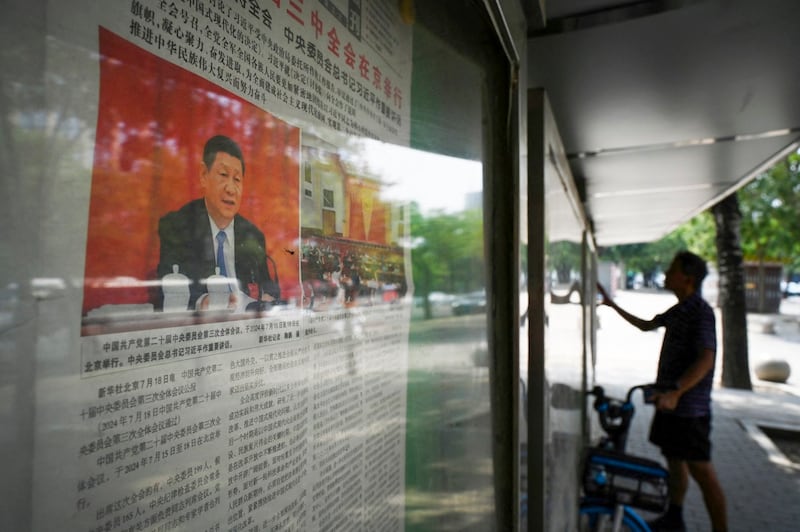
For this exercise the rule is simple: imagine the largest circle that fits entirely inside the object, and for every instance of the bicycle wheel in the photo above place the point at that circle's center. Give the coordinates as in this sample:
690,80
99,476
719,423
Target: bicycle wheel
599,518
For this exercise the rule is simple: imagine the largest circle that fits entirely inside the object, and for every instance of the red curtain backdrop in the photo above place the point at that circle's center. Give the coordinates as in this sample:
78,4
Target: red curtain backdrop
153,121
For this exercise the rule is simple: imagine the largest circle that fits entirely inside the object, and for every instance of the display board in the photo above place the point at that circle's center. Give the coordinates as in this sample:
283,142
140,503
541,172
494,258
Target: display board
256,382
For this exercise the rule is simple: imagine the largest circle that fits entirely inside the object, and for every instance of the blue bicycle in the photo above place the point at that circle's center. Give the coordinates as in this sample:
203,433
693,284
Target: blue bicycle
614,482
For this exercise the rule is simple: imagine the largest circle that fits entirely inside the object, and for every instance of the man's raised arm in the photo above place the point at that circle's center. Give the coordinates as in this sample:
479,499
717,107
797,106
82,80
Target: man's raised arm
639,323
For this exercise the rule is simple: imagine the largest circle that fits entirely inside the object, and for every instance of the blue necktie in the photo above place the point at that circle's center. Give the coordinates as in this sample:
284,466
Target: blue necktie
221,253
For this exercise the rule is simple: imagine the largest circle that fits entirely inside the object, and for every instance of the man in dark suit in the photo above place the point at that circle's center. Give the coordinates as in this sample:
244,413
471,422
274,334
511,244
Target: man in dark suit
209,233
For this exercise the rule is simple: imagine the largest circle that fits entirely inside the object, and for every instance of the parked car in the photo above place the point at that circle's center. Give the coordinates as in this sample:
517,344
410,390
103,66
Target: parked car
791,286
471,303
439,305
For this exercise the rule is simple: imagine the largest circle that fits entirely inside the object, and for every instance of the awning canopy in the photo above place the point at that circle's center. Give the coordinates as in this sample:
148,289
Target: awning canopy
666,107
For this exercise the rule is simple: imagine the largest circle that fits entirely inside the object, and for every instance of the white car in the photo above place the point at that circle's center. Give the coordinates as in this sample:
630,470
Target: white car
791,286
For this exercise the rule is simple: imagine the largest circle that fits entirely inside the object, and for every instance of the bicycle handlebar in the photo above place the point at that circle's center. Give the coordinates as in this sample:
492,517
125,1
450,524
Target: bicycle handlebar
615,415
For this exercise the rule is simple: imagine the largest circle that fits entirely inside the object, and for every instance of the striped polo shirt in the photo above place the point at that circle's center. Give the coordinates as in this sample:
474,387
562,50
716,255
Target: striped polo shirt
690,328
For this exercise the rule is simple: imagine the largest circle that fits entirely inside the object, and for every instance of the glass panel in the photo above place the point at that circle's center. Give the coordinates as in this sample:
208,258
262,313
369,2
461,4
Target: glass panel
564,307
448,442
555,334
449,468
323,363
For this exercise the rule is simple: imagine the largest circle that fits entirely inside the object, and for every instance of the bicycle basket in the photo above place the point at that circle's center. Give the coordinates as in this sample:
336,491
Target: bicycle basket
625,479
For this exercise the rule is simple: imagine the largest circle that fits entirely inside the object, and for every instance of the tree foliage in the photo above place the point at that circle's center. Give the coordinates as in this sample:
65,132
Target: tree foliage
447,251
770,208
647,258
698,236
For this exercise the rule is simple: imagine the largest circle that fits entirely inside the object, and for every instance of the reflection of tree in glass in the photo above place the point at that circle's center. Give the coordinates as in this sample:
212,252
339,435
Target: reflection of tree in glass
46,120
58,125
447,252
565,259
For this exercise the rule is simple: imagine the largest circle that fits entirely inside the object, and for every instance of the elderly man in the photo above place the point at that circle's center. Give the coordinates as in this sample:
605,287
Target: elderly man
682,424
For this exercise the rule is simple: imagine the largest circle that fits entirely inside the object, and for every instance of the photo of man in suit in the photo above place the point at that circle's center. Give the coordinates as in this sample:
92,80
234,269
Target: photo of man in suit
209,233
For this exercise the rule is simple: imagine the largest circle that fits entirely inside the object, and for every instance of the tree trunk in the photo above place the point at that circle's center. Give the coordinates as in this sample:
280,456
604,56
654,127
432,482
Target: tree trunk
735,365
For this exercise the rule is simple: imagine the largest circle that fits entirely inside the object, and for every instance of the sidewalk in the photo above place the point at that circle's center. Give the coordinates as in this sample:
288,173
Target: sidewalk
761,483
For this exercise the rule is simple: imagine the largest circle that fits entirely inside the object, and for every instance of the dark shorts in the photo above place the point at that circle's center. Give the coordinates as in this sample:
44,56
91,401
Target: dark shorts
682,438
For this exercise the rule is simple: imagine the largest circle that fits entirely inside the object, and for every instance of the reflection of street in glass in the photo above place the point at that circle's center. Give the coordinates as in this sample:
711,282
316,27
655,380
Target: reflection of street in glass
472,303
441,305
449,426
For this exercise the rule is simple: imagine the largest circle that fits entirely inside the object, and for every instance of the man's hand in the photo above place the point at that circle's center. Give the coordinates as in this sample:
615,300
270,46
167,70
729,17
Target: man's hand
639,323
666,401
